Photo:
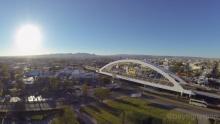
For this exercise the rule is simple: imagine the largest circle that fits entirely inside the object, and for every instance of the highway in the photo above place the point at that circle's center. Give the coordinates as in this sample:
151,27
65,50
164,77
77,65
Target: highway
202,114
181,105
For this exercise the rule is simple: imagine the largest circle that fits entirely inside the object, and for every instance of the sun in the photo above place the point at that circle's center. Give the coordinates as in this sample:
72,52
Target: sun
28,39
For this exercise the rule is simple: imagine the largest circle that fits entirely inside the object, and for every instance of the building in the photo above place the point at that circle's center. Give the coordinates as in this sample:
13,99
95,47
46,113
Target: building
28,80
195,66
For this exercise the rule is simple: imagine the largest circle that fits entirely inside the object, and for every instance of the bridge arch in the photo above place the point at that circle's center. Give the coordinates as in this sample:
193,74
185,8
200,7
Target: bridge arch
175,80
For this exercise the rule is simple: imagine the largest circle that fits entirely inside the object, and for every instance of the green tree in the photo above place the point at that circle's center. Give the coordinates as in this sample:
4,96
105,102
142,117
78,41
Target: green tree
215,71
177,67
67,117
54,83
85,89
67,84
1,87
20,84
104,80
101,93
18,74
5,72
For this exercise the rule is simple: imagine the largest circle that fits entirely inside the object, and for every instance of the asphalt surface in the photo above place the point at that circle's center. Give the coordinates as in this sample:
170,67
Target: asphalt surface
202,114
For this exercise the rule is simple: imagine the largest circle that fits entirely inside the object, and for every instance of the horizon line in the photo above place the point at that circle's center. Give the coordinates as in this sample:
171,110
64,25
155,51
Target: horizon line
117,54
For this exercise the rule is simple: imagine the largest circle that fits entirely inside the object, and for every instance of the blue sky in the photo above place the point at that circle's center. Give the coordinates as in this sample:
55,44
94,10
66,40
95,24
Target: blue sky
152,27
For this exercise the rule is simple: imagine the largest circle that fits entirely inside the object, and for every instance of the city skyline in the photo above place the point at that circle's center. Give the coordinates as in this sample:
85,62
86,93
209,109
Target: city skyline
173,28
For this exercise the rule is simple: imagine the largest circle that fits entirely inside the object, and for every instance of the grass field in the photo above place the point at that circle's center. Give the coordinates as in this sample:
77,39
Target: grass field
37,117
134,110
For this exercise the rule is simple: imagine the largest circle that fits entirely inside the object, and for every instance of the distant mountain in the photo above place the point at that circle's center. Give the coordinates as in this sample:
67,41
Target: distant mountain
91,56
66,55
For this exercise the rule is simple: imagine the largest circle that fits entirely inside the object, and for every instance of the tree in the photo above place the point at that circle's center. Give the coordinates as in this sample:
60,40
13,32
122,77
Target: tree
177,67
67,117
4,73
18,74
140,118
101,93
1,87
85,89
104,80
67,84
18,88
20,84
215,72
54,83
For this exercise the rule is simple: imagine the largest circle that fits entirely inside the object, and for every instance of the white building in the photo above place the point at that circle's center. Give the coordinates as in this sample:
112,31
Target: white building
195,66
29,80
35,99
14,99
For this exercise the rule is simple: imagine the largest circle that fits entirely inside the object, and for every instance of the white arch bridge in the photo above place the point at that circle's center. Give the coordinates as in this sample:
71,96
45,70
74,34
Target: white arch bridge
120,69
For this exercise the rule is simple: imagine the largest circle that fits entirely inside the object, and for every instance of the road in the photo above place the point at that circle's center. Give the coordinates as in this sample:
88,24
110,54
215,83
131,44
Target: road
182,105
85,118
202,114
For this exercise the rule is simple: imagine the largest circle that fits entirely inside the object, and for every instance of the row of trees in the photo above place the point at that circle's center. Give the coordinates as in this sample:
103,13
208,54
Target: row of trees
53,84
215,71
100,93
67,117
7,75
4,77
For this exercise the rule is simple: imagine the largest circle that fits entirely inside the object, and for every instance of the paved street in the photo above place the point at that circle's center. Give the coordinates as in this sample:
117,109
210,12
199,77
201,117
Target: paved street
162,101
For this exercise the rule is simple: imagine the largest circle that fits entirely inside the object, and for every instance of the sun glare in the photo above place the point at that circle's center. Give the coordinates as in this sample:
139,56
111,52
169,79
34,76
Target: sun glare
28,40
